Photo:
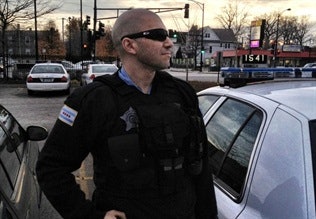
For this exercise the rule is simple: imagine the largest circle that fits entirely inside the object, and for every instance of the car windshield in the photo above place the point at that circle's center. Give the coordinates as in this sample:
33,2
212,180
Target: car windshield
48,69
100,69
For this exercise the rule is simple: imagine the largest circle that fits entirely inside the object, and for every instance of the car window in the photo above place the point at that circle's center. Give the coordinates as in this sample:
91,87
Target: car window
9,164
47,69
206,101
102,69
16,131
98,69
12,139
231,133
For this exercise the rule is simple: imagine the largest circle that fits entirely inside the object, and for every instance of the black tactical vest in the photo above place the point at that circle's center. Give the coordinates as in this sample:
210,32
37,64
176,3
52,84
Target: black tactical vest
159,145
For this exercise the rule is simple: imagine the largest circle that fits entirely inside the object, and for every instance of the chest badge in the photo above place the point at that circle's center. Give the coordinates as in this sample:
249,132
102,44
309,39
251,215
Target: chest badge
130,118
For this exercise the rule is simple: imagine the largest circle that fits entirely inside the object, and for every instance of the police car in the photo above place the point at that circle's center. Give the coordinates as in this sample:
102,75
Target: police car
20,195
262,146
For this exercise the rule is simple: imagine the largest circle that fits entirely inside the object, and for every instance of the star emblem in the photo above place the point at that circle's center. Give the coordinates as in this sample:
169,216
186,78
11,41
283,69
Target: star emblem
130,118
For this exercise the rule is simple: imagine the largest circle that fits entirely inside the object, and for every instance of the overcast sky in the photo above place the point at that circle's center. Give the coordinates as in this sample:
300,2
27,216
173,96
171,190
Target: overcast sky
175,20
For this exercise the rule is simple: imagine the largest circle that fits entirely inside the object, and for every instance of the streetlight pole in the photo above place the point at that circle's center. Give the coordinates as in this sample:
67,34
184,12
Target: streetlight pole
36,35
201,5
81,34
63,29
275,52
69,52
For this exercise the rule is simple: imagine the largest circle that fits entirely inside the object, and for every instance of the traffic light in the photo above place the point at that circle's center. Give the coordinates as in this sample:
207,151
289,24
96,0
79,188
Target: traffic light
88,20
186,10
202,50
85,45
101,28
175,35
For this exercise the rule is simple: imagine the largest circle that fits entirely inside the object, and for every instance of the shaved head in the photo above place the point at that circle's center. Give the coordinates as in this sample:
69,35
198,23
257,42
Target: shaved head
133,21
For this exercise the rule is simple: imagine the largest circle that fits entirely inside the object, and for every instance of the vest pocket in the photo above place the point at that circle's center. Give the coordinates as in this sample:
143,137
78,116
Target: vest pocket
125,151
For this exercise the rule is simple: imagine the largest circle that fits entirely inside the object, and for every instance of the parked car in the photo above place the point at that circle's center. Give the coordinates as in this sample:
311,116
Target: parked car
262,147
48,77
82,67
70,68
310,65
95,70
20,194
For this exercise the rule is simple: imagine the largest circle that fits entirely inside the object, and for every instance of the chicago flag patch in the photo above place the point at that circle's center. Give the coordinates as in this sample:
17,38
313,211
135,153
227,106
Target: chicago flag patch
67,115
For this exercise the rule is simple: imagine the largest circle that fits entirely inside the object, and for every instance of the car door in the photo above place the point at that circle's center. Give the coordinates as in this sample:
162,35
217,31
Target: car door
232,129
19,191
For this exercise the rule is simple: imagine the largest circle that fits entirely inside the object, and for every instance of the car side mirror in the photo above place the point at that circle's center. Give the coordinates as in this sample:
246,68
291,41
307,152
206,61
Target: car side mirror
36,133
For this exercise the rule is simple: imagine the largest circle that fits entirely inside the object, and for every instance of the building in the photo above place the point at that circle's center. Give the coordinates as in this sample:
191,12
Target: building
214,41
20,45
221,49
217,40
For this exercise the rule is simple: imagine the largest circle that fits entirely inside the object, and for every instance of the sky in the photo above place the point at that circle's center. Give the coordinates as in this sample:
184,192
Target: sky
175,20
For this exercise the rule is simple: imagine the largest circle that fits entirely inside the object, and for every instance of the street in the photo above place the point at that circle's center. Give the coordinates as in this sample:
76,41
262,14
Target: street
43,110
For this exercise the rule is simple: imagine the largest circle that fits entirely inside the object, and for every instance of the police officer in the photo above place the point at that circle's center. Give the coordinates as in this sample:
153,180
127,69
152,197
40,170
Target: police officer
144,130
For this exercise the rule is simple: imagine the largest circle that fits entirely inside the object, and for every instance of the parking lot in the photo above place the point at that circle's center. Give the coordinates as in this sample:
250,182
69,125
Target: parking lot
42,110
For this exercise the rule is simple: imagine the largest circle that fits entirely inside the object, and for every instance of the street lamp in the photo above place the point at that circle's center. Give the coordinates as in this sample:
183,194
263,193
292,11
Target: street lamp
201,5
36,34
63,28
275,52
69,39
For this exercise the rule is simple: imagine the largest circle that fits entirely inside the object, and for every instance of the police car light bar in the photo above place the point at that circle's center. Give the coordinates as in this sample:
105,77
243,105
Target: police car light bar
236,77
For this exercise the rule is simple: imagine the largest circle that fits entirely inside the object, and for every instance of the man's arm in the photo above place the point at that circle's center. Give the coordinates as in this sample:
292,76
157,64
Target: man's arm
65,149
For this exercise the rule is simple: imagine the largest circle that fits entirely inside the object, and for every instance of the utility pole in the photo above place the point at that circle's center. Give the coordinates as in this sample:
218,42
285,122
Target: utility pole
63,28
94,30
81,29
36,36
275,52
201,5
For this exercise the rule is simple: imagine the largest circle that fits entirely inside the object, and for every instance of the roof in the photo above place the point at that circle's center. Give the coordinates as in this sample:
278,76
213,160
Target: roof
225,35
299,95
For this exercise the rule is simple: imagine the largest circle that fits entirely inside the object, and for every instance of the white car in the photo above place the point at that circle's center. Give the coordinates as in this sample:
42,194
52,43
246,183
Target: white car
48,77
96,70
310,65
262,147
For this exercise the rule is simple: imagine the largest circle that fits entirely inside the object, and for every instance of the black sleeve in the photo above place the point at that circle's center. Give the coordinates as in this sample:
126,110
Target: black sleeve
206,207
68,144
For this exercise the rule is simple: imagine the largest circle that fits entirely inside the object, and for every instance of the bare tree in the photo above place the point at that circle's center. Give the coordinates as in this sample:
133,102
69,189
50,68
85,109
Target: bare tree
291,30
73,42
235,17
195,43
18,10
50,43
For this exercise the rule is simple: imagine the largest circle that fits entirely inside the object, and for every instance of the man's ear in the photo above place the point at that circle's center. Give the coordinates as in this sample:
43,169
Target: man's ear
129,45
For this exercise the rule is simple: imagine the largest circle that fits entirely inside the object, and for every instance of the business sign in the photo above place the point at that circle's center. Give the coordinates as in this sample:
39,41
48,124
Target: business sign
257,33
292,48
254,59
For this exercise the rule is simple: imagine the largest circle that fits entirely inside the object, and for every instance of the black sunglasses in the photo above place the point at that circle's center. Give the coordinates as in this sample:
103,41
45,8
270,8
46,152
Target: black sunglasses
154,34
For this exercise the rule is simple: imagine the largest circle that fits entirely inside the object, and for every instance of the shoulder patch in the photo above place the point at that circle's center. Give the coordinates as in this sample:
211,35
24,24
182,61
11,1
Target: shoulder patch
67,115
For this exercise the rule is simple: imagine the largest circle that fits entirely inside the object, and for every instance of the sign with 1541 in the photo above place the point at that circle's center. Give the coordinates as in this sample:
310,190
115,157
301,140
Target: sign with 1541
254,59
